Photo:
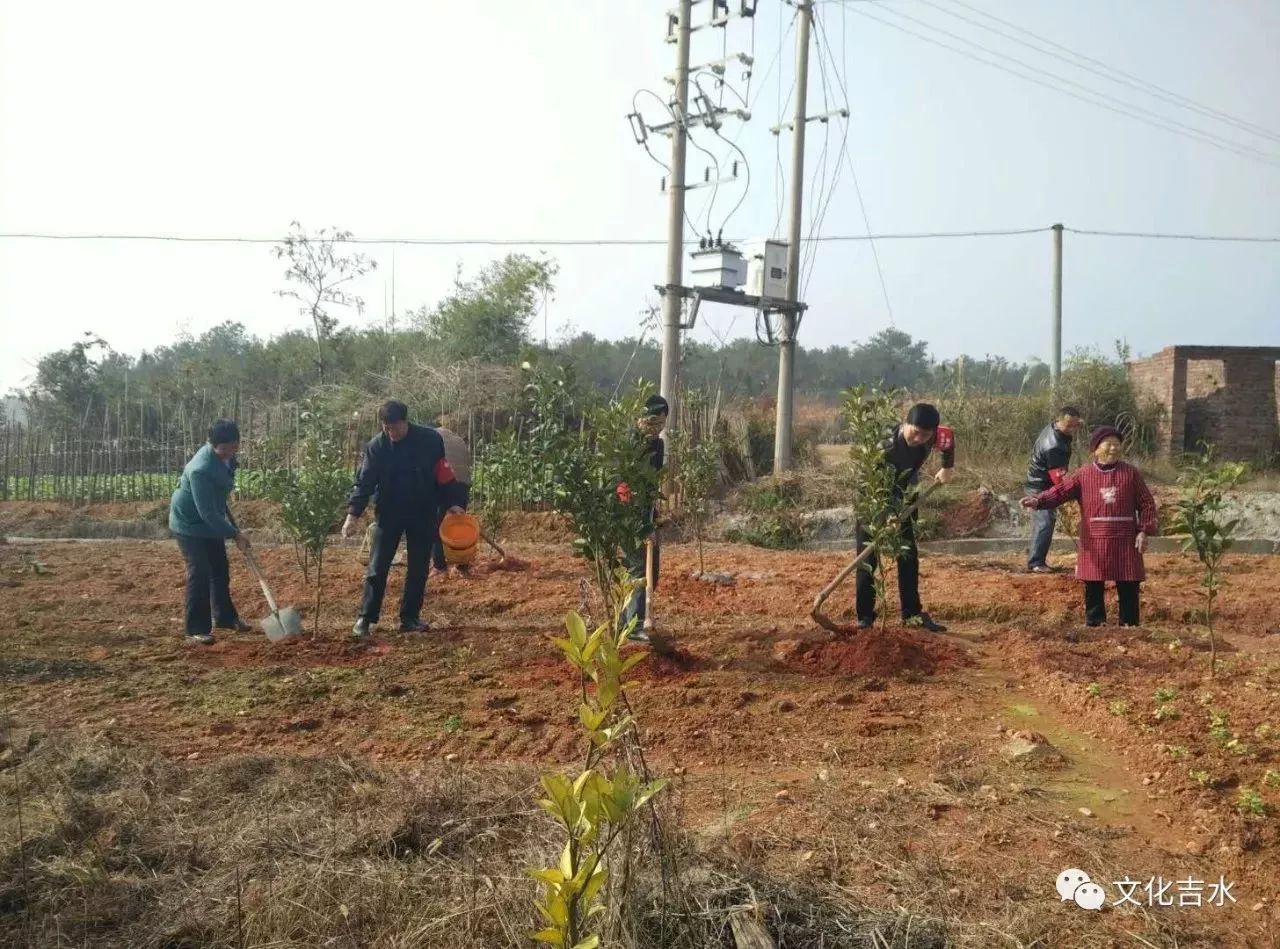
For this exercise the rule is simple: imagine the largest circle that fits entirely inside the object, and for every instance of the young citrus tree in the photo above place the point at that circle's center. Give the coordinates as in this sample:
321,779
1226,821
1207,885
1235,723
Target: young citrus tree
869,415
311,495
699,468
599,472
595,807
1201,515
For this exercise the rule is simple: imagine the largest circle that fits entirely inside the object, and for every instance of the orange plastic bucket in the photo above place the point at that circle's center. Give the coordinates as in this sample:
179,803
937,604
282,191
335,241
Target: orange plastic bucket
460,536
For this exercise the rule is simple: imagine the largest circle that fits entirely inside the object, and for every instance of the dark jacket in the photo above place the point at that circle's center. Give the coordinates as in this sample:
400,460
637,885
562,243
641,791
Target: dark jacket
411,478
198,507
1052,449
907,460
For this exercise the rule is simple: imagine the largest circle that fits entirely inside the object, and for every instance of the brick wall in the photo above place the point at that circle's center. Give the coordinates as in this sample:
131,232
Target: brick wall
1163,377
1224,395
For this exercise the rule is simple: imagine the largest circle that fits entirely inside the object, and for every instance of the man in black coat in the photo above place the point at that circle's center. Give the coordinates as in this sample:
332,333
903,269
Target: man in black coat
905,450
1050,456
405,467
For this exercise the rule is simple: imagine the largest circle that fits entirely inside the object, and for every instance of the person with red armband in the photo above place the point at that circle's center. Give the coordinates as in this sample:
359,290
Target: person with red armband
905,451
1117,515
1050,456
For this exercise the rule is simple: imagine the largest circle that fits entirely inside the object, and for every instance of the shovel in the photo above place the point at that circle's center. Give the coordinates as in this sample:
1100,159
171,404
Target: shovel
282,624
821,618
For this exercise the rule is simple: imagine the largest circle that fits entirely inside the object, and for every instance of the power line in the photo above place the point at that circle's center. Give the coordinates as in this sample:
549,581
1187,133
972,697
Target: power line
1175,237
639,241
1125,78
1099,99
866,220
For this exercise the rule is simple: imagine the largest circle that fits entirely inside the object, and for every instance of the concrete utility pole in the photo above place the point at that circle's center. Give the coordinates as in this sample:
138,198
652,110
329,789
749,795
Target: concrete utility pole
1055,366
671,297
791,320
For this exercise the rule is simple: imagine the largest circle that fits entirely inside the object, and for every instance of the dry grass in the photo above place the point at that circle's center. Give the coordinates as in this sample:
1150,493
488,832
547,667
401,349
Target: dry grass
108,845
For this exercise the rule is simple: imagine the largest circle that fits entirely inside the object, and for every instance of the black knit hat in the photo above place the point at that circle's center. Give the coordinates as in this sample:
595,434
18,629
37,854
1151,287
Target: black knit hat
1101,433
656,405
924,415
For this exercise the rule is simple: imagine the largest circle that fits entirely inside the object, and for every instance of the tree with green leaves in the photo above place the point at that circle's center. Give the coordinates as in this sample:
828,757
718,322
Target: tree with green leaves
597,465
323,276
488,318
599,805
695,479
311,494
878,503
1201,514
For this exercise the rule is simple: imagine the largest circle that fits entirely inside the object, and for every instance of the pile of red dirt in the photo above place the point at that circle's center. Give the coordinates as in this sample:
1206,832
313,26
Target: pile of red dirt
967,517
889,652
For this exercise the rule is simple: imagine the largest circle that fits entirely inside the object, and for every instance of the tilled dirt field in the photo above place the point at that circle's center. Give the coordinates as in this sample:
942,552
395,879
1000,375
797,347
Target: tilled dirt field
953,776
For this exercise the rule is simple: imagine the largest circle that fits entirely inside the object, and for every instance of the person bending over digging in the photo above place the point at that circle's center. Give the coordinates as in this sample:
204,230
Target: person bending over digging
649,431
406,467
1117,515
200,522
905,451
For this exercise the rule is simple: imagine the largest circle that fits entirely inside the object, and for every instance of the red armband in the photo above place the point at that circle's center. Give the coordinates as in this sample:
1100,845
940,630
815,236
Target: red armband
1057,474
946,438
444,473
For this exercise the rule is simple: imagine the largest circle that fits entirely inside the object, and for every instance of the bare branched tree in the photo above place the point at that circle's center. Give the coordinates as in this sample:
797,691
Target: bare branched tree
322,276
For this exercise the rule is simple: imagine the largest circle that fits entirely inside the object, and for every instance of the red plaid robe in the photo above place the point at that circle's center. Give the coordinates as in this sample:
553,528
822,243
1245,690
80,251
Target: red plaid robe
1114,505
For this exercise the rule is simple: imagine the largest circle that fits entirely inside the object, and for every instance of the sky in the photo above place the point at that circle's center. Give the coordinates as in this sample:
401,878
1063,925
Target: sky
507,120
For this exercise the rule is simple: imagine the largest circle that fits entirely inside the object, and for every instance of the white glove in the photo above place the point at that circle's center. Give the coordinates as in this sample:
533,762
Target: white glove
1141,543
349,525
944,475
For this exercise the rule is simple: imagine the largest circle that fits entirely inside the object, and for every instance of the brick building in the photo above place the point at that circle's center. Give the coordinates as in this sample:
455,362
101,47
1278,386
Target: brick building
1226,395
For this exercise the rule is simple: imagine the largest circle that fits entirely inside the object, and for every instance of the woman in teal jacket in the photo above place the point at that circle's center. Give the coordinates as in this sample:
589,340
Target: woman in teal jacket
201,523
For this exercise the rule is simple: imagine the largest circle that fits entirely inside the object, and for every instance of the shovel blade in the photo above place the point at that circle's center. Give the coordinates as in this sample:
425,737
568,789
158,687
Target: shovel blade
283,624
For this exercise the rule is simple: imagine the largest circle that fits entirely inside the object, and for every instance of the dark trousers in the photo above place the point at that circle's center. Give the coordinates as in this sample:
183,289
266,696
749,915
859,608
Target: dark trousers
908,577
437,548
1095,603
208,585
386,538
1042,524
638,606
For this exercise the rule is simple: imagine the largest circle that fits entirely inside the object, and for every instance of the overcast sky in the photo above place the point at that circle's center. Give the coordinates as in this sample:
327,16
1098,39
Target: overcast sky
504,119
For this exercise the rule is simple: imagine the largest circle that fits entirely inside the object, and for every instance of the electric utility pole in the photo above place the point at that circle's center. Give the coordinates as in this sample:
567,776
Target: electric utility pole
791,320
672,300
1055,367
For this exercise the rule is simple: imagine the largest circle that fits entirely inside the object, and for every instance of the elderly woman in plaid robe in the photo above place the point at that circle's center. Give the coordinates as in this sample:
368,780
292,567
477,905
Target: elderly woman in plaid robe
1117,514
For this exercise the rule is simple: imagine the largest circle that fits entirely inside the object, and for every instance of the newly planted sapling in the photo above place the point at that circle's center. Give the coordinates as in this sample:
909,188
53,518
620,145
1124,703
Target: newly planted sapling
696,477
878,499
311,494
1201,515
597,805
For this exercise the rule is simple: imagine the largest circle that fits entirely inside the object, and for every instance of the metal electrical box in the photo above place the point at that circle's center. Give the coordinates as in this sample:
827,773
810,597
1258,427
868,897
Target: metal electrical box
767,269
722,267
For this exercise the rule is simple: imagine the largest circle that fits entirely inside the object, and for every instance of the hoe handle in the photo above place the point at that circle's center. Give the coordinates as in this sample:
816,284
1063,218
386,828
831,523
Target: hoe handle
648,583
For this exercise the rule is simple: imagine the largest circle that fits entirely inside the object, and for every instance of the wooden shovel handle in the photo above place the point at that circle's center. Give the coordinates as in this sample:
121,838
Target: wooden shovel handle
262,581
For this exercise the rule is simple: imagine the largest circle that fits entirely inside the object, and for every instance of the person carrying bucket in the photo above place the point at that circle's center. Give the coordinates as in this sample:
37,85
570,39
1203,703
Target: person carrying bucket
458,454
649,429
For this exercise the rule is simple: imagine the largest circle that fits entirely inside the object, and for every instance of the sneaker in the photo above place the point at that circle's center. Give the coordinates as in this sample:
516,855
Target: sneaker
200,639
866,622
1040,568
414,626
638,635
238,626
361,629
925,621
